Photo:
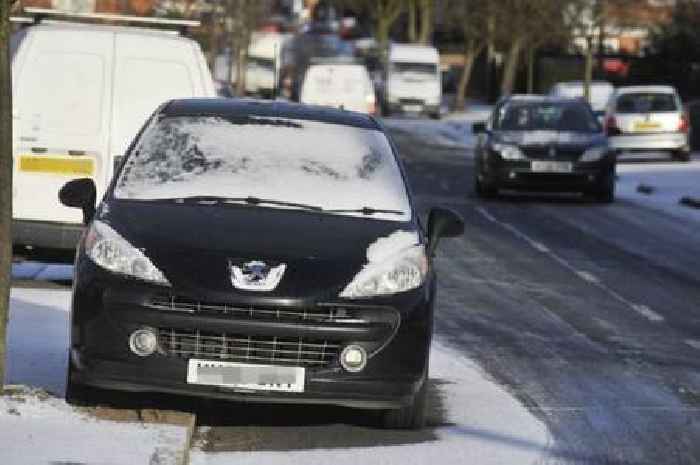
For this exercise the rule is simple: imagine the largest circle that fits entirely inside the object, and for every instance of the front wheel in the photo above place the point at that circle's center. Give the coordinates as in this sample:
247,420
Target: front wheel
411,416
606,192
485,191
681,155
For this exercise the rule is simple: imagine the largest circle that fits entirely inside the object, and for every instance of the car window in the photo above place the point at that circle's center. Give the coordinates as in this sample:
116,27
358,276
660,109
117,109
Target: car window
327,165
418,68
546,116
646,102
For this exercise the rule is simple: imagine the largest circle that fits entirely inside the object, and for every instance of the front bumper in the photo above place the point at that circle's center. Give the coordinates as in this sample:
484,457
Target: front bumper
108,309
413,107
518,175
659,141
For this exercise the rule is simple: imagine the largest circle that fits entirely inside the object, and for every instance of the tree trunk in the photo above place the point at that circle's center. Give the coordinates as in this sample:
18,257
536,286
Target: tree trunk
588,72
5,180
213,42
531,69
471,52
412,20
427,13
511,67
241,67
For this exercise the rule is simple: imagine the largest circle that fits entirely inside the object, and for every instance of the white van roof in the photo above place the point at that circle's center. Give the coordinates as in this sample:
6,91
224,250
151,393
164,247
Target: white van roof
655,89
267,44
411,53
131,30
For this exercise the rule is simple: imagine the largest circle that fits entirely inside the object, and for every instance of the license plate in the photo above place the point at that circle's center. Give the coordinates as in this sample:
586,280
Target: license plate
56,165
246,376
551,166
646,126
412,108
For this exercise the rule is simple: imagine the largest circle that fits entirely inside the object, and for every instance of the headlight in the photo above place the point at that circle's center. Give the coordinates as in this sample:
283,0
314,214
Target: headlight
401,272
112,252
508,152
594,154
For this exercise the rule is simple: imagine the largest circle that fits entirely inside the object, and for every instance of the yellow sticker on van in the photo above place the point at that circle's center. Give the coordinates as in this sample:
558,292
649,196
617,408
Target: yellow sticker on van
57,165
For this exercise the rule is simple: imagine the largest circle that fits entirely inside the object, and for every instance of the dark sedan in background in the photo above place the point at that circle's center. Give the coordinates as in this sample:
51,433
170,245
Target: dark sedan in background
542,143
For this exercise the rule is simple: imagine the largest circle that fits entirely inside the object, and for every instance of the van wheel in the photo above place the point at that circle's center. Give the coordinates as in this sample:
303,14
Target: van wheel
411,416
680,155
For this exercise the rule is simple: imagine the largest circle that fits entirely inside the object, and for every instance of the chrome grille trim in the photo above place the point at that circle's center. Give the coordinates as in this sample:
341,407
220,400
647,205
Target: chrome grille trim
322,314
257,349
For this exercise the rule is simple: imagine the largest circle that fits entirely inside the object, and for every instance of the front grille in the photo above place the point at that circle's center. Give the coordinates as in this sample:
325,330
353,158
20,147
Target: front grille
320,314
301,352
560,153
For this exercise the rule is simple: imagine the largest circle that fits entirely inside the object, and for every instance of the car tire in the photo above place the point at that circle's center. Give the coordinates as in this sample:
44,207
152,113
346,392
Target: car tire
681,155
79,395
606,192
485,191
411,416
435,116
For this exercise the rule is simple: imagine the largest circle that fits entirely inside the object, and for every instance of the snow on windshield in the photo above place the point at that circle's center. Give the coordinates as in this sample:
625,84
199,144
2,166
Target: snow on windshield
327,165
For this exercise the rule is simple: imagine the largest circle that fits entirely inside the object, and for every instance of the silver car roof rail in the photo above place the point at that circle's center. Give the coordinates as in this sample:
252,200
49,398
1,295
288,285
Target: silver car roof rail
36,15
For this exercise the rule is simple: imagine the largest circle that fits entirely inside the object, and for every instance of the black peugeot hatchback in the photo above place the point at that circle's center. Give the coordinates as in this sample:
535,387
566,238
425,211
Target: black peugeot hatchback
263,252
541,143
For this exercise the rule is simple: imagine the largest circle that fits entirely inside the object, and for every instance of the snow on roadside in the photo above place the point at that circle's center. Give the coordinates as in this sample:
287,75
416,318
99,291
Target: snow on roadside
40,429
670,181
487,426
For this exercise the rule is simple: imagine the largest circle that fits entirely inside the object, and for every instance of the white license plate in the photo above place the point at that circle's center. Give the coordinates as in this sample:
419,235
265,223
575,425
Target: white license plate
551,166
246,376
412,108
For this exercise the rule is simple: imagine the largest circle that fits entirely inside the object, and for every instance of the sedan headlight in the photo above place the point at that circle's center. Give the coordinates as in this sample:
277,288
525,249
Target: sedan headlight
508,152
594,154
109,250
401,272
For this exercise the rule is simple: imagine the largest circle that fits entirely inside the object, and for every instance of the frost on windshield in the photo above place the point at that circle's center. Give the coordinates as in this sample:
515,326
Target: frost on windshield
326,165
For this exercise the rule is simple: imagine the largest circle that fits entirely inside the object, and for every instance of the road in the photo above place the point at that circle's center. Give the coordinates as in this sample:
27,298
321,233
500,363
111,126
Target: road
588,314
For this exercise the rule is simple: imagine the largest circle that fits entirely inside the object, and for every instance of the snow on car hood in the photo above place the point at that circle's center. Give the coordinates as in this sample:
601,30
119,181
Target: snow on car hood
326,165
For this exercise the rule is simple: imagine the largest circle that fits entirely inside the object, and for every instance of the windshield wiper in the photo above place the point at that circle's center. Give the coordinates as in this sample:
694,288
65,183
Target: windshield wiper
250,200
367,211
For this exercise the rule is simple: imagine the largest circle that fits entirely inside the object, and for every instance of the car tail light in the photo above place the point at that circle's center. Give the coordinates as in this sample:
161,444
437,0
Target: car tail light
683,125
611,128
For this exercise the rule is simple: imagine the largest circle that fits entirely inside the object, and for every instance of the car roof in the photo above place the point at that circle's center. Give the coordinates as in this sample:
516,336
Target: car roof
413,53
60,25
536,98
635,89
224,107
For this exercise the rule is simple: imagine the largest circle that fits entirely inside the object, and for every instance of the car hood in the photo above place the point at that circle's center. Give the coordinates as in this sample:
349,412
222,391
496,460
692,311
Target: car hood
194,244
549,138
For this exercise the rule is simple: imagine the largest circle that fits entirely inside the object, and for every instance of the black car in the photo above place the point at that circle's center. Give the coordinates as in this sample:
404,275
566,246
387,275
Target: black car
257,251
544,144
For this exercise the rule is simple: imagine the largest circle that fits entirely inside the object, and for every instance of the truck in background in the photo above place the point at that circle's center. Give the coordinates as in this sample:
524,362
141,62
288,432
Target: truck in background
413,83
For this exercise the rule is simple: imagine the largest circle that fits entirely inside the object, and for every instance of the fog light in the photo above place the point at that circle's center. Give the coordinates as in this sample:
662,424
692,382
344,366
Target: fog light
353,358
143,342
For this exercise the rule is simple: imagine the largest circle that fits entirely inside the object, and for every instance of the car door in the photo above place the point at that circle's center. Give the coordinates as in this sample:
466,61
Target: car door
61,107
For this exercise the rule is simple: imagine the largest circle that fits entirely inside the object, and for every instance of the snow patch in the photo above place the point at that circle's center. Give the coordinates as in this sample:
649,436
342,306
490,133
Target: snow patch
385,247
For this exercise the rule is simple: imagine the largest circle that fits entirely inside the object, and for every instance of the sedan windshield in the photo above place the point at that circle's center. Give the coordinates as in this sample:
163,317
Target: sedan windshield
546,116
328,166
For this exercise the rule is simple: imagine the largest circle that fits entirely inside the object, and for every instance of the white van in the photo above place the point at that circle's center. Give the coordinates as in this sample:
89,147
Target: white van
80,94
345,85
414,80
264,63
600,93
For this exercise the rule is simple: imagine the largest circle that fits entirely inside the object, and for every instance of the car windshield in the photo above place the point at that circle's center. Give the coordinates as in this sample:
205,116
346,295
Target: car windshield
546,116
414,68
646,102
331,166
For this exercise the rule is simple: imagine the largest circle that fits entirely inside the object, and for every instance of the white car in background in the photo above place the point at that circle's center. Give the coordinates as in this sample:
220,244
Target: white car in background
648,118
81,92
413,80
600,93
264,63
341,84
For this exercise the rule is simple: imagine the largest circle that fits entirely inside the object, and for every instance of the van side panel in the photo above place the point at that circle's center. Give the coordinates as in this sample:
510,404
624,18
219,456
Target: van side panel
62,105
149,70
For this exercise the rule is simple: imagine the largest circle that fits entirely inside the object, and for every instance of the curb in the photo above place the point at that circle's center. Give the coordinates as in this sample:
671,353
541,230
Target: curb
691,202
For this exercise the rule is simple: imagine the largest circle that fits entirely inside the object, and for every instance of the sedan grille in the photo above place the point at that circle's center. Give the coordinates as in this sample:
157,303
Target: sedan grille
319,314
264,350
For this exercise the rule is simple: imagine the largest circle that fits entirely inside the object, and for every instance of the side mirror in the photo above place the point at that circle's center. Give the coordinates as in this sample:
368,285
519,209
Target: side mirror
479,127
80,193
443,222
